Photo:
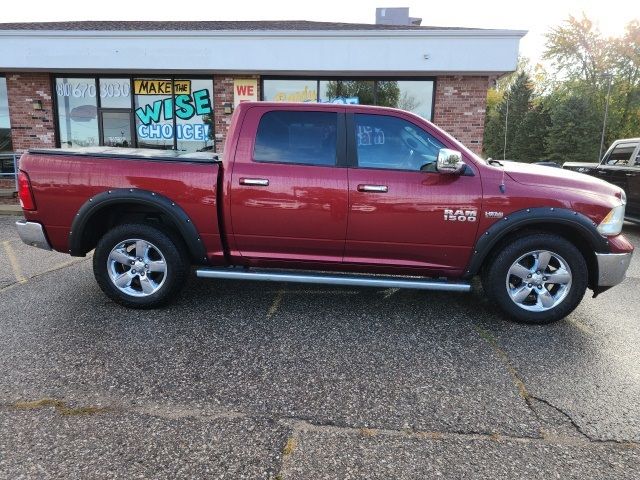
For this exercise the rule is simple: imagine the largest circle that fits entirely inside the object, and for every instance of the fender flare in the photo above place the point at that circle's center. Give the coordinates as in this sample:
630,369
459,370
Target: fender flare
580,223
178,216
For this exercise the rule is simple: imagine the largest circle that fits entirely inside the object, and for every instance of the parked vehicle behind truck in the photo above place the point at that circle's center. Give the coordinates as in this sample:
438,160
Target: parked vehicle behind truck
374,196
620,165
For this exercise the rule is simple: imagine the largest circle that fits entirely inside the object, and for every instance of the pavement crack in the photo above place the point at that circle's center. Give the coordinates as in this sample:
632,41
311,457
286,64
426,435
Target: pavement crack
300,425
60,406
286,452
528,398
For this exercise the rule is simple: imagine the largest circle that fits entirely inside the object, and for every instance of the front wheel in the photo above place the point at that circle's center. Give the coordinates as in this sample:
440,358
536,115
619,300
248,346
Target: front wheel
140,266
539,278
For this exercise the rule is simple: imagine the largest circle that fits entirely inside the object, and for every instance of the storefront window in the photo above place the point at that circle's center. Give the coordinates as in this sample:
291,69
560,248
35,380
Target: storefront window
77,112
5,125
194,117
169,111
115,93
347,91
162,113
154,112
290,91
413,95
116,128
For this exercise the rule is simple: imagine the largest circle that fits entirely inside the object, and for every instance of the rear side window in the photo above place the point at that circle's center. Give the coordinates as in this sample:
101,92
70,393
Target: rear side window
308,138
621,154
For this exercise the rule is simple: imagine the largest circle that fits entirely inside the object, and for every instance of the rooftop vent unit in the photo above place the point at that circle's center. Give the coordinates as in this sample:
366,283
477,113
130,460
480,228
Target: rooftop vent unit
396,16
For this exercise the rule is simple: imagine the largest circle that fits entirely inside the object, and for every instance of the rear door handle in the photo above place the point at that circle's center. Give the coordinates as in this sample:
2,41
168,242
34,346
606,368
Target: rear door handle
256,182
631,174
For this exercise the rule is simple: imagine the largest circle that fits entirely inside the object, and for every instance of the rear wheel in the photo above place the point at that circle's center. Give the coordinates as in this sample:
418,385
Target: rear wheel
538,278
140,266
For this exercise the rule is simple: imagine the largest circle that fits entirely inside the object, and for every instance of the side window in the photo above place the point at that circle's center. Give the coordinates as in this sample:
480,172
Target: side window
308,138
392,143
621,154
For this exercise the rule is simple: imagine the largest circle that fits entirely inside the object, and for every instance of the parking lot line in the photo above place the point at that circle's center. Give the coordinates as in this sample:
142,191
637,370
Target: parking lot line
276,303
13,260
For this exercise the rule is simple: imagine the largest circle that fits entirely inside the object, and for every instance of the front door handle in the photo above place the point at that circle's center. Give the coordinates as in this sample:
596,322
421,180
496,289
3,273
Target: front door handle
630,174
373,188
256,182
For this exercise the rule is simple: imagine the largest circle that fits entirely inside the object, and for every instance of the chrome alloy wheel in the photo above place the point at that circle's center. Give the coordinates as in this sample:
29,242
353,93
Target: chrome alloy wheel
539,280
137,267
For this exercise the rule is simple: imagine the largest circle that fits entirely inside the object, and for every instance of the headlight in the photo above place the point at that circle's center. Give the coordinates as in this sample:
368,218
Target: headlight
612,223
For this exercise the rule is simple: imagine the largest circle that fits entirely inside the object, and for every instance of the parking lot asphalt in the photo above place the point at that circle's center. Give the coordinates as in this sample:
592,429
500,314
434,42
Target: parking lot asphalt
282,381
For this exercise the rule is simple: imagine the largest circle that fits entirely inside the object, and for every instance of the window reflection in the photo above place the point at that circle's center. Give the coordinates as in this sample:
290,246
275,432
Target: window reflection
77,112
413,95
5,125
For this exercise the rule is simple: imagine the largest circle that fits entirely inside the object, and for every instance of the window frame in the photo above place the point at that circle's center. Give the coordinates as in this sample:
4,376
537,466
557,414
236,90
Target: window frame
630,160
341,130
2,75
352,147
97,76
375,79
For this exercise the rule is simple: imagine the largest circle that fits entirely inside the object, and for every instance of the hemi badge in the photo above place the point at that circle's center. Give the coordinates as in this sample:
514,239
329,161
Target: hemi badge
493,214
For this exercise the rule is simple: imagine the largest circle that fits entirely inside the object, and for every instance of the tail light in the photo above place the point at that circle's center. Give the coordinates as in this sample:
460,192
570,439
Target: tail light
24,192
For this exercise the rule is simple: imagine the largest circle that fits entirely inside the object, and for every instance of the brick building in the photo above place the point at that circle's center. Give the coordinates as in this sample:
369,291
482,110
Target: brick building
175,84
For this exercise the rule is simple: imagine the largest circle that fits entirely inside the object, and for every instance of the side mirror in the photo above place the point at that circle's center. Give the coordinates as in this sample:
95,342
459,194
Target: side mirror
450,162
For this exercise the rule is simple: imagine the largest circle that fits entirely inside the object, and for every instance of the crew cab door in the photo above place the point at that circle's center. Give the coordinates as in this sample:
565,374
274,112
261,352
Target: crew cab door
402,212
289,186
616,164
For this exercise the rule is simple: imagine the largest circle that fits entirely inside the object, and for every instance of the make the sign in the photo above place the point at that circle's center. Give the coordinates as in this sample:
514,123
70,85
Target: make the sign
244,90
142,86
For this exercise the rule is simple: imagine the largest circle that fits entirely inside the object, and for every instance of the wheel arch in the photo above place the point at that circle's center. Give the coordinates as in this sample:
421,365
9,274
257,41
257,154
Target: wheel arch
113,207
571,225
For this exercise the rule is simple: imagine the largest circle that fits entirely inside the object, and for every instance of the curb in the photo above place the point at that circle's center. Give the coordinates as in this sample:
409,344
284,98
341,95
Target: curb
10,210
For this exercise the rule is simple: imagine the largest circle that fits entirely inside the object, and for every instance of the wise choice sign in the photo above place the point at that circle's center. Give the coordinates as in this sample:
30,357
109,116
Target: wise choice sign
156,117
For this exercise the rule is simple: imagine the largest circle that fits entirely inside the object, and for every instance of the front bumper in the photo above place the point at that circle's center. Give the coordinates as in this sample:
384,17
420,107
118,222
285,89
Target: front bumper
32,234
612,268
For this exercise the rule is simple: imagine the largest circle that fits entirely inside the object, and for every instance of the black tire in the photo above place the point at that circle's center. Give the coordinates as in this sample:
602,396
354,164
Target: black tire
168,283
494,278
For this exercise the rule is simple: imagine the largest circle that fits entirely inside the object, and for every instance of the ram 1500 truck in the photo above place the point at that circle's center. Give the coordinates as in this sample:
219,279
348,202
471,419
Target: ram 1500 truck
334,194
620,165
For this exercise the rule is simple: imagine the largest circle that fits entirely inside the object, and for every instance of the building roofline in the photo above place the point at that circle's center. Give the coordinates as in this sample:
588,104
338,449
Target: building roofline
262,33
230,27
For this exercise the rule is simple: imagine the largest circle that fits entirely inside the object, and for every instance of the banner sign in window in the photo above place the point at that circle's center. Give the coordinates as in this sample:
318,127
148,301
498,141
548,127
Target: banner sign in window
244,90
305,95
186,107
172,113
142,86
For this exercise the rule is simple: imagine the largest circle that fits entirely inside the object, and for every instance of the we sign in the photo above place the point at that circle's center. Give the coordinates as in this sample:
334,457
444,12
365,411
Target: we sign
244,90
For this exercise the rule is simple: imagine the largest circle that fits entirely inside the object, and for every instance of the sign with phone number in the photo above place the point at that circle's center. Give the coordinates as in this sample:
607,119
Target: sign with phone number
88,90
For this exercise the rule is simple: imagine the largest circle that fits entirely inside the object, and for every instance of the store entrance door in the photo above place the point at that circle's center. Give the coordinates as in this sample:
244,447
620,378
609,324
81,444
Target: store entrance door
116,126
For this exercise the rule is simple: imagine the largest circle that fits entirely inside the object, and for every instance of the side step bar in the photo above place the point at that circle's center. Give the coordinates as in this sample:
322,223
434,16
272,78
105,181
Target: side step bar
332,279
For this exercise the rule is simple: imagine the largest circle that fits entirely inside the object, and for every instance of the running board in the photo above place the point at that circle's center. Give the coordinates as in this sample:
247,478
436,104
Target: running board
332,279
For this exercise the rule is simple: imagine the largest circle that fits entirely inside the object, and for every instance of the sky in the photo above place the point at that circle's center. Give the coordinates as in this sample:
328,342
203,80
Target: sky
537,17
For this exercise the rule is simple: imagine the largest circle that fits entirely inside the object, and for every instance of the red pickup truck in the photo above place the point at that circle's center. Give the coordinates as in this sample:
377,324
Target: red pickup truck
334,194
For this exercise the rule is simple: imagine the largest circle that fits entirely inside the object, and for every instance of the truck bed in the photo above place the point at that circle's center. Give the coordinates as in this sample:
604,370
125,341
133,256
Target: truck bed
63,180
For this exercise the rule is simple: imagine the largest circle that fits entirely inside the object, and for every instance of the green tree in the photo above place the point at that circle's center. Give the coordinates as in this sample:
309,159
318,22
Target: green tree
387,93
533,132
525,124
586,61
574,134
